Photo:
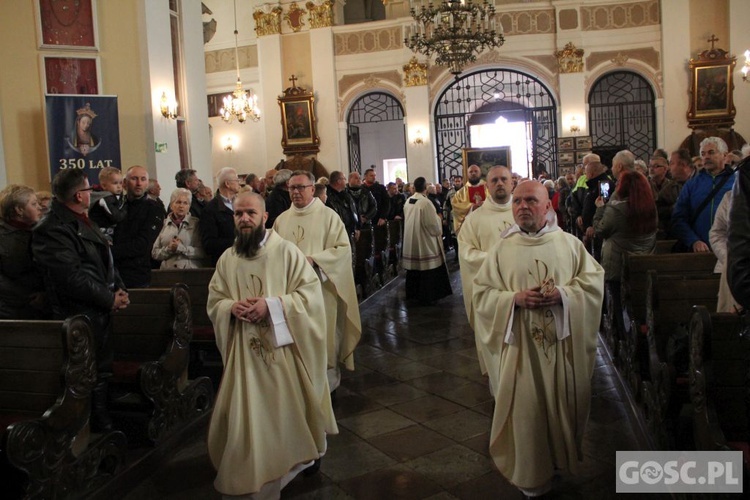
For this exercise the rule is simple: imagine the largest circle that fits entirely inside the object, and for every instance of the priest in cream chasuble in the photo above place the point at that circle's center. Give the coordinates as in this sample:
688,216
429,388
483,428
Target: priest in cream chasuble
273,409
318,231
481,229
537,302
426,274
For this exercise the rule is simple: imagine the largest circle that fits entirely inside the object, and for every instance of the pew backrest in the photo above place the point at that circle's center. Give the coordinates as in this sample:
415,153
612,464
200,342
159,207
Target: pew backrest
197,281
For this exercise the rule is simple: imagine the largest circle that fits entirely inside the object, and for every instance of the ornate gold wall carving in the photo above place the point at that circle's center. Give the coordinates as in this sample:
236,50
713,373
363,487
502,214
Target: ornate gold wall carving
223,60
527,22
295,17
570,59
621,15
321,16
415,73
647,55
361,42
267,21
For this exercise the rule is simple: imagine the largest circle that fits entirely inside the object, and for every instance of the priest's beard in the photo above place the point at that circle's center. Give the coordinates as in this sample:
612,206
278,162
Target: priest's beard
247,244
474,182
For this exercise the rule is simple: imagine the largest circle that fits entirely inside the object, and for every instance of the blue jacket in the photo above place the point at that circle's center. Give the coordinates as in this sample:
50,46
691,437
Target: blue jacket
691,196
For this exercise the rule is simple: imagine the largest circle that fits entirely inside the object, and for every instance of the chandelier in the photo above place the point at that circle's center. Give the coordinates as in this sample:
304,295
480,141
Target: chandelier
455,30
241,105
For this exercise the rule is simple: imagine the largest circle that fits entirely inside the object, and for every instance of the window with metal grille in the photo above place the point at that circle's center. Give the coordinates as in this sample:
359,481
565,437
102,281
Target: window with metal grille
622,115
475,93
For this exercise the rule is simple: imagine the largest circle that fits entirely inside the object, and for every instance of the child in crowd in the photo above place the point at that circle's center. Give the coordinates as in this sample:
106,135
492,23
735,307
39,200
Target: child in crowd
108,202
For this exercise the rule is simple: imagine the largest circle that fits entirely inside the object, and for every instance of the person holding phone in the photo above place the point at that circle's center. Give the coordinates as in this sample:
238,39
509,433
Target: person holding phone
627,223
596,173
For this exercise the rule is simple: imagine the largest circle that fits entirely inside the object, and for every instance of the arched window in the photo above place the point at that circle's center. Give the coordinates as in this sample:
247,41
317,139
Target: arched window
622,115
367,116
508,95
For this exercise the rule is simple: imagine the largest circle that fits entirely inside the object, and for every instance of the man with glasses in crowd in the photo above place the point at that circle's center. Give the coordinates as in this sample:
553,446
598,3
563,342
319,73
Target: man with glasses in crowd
217,223
319,233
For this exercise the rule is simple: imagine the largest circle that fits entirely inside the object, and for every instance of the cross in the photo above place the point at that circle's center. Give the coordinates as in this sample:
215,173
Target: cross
713,40
293,79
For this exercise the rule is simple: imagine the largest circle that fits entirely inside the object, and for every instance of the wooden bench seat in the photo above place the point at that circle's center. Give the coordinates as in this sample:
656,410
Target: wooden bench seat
669,300
632,307
720,381
151,340
47,373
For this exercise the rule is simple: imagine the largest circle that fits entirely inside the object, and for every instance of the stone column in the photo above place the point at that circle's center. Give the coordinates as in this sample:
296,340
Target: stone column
675,35
270,71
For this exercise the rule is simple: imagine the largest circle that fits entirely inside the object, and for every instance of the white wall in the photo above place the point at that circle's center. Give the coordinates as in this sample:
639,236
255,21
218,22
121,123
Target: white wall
380,141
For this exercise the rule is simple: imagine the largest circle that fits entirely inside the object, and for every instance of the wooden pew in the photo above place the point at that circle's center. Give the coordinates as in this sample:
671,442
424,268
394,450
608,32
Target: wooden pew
151,340
669,299
197,281
664,246
47,372
633,291
393,253
363,262
720,381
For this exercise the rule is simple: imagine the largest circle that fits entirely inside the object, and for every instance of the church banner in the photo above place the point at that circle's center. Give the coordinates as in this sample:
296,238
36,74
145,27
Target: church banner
83,131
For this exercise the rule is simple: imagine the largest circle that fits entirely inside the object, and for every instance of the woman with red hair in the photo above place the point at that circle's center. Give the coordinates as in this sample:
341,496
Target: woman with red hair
627,223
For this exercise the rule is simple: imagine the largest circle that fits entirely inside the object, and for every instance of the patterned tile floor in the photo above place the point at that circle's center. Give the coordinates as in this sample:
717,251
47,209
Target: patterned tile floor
414,419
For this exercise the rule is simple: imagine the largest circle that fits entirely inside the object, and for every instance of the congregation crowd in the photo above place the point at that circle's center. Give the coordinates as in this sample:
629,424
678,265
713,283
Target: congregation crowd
283,299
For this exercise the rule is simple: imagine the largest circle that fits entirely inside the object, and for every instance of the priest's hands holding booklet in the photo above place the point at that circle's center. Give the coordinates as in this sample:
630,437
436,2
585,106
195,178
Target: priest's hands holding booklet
544,295
252,310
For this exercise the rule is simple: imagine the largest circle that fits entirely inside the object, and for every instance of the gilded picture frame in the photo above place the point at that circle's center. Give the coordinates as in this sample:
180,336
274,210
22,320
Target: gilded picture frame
486,158
712,89
298,124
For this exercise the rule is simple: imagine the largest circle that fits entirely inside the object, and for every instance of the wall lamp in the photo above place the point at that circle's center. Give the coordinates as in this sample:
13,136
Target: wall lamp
418,139
746,68
574,128
228,143
168,109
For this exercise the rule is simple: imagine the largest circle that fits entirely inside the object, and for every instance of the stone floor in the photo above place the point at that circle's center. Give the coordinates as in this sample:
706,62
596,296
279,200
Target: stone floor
415,417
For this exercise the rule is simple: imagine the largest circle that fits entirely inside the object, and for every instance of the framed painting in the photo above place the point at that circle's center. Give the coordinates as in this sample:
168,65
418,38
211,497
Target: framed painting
566,157
68,24
298,125
580,155
583,142
711,89
485,158
71,75
565,143
563,170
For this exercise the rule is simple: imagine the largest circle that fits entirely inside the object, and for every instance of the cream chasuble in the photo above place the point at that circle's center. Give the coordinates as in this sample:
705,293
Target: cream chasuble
540,361
481,229
462,204
423,247
319,233
273,408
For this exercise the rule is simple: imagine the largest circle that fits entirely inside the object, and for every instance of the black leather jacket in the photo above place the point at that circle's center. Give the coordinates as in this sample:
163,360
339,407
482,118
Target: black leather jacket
738,245
367,207
76,263
344,205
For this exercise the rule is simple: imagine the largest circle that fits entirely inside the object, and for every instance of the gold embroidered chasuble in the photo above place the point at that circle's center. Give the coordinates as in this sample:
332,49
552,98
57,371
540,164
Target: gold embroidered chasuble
462,204
480,231
273,408
540,361
319,233
422,247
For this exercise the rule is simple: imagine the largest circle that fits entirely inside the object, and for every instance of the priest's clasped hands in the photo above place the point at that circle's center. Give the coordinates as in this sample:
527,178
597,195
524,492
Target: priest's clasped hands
533,298
251,310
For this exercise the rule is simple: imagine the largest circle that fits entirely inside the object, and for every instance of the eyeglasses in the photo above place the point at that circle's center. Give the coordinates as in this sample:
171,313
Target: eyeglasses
90,188
299,188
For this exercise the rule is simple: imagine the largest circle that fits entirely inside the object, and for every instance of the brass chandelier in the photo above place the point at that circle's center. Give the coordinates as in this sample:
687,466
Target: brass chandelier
241,105
455,31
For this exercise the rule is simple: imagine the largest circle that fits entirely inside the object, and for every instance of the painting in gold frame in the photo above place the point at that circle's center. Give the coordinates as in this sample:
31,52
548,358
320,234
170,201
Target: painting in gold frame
485,158
298,125
712,89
